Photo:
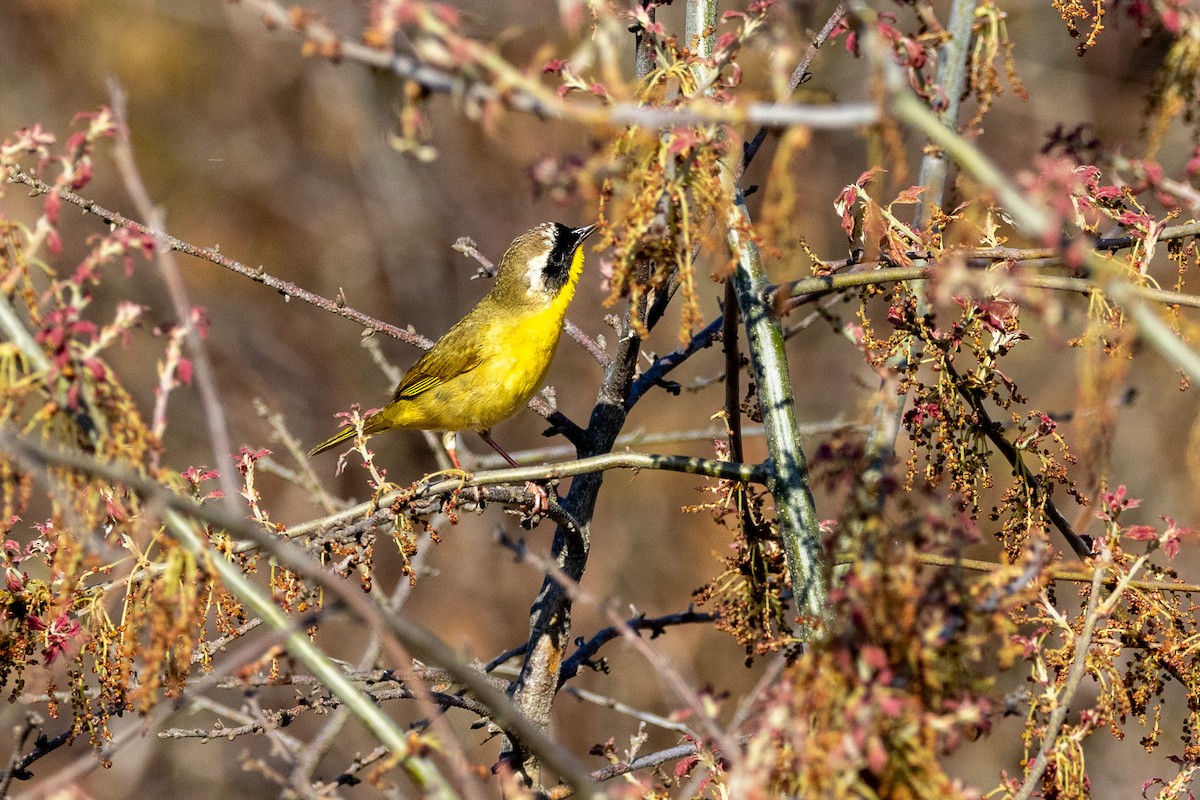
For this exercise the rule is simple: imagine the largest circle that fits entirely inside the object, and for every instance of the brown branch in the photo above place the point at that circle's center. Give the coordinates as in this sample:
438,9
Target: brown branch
650,760
592,346
320,702
525,94
1058,716
213,255
799,75
1055,573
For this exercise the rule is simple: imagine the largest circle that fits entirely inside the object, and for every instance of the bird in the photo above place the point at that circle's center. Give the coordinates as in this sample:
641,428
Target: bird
488,365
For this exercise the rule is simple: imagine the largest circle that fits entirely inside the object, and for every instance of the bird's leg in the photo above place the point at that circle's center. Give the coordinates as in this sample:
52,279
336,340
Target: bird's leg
487,437
541,500
450,442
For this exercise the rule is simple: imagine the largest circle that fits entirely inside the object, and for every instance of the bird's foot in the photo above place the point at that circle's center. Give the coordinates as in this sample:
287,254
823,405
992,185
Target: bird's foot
463,476
448,474
538,508
541,500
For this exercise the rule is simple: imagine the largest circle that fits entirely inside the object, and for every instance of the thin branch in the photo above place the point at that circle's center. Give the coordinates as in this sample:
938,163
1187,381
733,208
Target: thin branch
213,255
656,720
306,478
662,366
305,767
1081,545
1079,667
661,665
525,95
320,702
381,510
645,762
540,455
592,346
21,734
799,75
805,288
708,467
1055,573
657,626
733,373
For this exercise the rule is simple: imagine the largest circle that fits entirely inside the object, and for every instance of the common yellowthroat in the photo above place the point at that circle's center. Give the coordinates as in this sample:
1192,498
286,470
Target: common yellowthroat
492,361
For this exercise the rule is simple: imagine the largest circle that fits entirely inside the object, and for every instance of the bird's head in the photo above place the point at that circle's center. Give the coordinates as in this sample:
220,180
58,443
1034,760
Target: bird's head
542,262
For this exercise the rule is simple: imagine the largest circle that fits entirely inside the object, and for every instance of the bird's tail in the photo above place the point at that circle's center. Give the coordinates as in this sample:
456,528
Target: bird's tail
344,435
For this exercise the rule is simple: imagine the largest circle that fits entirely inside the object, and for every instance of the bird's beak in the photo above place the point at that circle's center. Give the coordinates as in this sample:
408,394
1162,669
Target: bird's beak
584,232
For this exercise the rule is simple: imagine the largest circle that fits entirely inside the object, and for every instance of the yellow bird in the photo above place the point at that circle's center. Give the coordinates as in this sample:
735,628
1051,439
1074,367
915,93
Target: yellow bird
491,362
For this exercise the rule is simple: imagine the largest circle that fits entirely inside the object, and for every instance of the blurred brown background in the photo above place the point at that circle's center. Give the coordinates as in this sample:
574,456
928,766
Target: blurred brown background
283,161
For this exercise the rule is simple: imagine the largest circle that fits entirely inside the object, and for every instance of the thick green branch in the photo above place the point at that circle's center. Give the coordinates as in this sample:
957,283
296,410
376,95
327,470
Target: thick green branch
951,77
789,485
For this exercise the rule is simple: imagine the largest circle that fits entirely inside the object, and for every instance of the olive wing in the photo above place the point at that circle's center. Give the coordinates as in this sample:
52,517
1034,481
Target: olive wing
454,354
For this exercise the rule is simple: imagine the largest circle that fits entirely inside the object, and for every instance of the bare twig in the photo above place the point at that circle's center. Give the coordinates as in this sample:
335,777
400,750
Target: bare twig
525,96
799,75
657,720
805,288
213,255
1055,573
307,478
644,762
657,626
593,347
